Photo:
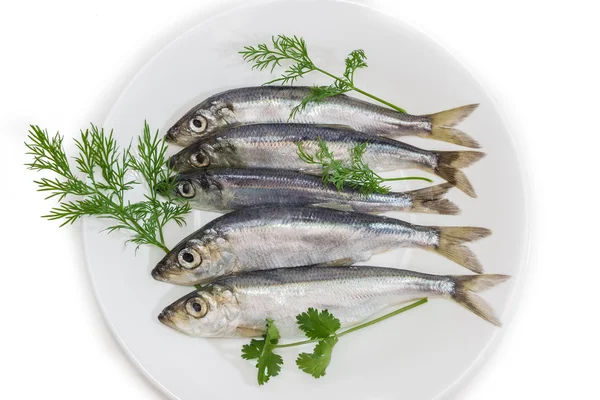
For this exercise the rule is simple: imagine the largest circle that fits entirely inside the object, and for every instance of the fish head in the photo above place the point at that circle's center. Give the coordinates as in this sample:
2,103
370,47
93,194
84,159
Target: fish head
215,152
201,121
192,158
195,261
201,189
211,311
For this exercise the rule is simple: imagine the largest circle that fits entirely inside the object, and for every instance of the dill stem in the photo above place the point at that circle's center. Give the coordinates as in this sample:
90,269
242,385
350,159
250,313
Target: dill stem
131,222
361,326
162,237
337,78
387,103
151,239
135,227
403,111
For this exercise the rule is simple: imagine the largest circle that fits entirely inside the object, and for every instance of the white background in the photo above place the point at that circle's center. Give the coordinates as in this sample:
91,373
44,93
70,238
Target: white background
63,63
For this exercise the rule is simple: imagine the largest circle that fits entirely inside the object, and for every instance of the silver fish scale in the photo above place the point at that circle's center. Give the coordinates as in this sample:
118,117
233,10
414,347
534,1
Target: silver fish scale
241,188
352,294
255,146
293,236
274,104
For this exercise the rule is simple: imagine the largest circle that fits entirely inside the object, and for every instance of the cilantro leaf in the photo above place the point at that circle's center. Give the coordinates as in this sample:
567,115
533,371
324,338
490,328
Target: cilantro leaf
269,363
318,325
316,363
253,349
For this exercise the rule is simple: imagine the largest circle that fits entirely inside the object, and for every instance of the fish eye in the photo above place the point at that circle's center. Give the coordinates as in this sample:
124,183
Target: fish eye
186,189
196,307
189,258
200,159
198,124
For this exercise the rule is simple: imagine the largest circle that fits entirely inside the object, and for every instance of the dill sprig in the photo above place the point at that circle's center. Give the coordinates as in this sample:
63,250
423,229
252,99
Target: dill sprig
106,171
354,173
293,48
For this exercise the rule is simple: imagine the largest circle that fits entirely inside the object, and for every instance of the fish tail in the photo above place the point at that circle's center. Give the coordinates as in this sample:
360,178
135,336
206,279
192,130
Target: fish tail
468,285
449,165
429,200
451,245
442,126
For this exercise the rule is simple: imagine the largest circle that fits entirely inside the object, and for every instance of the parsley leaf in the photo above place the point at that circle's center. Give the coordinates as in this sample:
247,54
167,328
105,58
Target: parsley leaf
316,363
253,349
269,363
318,325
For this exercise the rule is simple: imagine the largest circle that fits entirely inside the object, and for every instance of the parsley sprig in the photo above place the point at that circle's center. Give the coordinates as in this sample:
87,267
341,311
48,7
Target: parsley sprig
356,174
293,48
320,327
108,173
268,362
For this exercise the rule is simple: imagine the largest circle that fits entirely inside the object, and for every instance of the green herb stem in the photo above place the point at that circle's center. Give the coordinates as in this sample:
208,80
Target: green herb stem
361,326
100,192
353,173
364,93
387,103
337,78
294,344
294,49
384,317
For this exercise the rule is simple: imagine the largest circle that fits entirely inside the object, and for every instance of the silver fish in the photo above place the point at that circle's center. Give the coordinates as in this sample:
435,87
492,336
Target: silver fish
277,237
233,189
276,146
273,104
238,305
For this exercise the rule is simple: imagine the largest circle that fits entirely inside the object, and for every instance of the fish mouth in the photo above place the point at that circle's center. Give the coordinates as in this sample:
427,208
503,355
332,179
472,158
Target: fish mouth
165,318
158,275
172,163
170,137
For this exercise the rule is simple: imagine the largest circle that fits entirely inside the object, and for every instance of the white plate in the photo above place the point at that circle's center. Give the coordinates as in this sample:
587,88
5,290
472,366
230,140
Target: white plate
426,353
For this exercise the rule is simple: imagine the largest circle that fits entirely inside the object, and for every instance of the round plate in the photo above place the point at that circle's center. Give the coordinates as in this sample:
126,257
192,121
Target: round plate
423,354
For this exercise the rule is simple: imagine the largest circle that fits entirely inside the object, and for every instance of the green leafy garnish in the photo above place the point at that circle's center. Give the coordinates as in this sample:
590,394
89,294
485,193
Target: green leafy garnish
316,363
293,49
269,363
317,325
356,174
320,327
108,173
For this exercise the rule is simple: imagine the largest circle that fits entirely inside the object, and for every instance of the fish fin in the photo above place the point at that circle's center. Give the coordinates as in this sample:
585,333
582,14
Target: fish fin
467,285
449,164
442,126
450,246
250,332
429,200
335,206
